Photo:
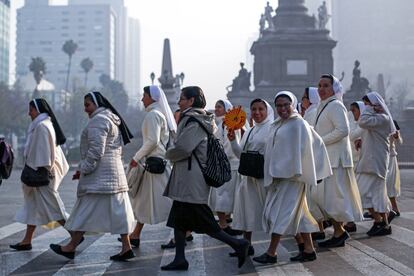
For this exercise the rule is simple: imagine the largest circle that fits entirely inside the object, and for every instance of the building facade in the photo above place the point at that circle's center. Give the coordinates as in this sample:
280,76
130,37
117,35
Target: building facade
4,40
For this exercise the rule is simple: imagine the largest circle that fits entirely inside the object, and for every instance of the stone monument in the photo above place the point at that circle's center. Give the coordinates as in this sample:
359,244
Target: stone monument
359,87
290,54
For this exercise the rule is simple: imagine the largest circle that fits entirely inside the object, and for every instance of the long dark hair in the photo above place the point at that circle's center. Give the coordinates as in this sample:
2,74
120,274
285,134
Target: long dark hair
196,93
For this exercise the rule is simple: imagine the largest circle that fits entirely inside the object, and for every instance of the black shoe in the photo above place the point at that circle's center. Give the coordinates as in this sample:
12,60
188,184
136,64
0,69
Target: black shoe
189,238
379,229
391,215
122,258
304,257
335,242
367,215
265,259
318,235
174,266
298,257
397,213
229,220
350,227
250,252
134,242
21,247
232,232
58,250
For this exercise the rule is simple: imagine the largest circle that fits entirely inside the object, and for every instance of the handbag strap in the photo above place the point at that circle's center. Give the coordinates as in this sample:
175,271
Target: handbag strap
317,118
247,139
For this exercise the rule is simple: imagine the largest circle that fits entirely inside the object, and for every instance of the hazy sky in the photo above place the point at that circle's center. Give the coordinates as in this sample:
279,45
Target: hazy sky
208,38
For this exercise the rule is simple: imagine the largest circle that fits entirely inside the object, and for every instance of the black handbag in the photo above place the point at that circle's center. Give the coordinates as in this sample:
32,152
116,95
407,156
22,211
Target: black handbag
36,178
155,165
251,162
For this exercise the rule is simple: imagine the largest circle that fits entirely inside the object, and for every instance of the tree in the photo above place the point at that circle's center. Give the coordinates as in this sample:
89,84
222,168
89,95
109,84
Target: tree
69,47
87,65
38,68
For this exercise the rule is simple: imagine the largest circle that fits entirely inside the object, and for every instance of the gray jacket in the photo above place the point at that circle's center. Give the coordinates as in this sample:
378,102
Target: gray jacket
187,183
101,166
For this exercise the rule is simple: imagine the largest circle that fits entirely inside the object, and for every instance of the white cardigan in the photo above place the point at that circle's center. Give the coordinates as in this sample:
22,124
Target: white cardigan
333,127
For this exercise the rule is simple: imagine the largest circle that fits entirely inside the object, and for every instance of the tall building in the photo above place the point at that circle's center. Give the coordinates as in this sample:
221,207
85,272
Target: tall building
99,27
377,33
4,40
127,49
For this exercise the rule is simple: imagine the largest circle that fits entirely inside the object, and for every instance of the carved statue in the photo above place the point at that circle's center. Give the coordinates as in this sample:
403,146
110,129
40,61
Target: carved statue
268,16
323,15
262,23
241,82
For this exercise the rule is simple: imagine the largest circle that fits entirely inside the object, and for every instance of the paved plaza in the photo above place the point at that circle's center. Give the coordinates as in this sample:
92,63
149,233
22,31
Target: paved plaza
390,255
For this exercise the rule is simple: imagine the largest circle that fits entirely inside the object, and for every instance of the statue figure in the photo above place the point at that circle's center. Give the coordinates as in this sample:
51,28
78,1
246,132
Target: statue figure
241,82
262,23
268,16
359,84
323,15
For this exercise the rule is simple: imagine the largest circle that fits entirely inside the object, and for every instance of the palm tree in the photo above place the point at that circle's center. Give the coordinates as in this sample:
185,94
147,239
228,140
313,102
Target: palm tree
69,47
38,67
87,65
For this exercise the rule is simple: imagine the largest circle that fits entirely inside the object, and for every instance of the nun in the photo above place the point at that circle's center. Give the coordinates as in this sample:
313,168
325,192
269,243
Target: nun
250,191
149,205
337,196
310,101
295,158
42,205
393,175
221,199
102,204
377,123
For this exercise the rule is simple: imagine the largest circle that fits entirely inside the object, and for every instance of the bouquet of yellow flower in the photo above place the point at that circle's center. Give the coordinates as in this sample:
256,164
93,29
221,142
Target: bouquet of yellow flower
235,118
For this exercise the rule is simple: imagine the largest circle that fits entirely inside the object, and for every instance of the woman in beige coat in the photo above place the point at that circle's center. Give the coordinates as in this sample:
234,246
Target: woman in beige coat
43,204
102,204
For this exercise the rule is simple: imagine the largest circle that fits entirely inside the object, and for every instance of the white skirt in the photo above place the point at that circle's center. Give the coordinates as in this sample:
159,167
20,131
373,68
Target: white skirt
248,204
42,205
102,213
373,192
222,198
338,196
286,210
149,204
393,178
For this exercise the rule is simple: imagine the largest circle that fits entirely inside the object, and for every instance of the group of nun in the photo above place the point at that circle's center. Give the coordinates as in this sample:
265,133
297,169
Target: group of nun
320,164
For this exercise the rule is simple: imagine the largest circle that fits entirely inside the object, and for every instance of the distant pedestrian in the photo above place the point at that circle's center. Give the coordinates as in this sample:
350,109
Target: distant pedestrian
393,175
102,204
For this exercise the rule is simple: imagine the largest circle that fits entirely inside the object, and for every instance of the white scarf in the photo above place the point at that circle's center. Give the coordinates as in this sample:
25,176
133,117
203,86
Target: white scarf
158,95
40,118
376,99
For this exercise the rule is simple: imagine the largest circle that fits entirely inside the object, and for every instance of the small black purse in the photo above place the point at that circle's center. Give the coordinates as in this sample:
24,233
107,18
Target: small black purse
36,178
251,162
155,165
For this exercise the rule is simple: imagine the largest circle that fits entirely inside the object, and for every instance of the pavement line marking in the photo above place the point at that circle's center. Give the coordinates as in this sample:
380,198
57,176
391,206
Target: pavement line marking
12,260
407,215
283,265
401,234
194,255
11,229
363,262
382,258
94,260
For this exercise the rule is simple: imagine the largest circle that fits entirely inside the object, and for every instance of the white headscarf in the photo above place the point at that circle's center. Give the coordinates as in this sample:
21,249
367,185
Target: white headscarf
227,105
270,116
314,96
293,98
361,106
337,88
158,95
376,99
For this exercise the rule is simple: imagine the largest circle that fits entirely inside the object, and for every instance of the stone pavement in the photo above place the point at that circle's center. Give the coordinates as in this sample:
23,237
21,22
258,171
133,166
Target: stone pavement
390,255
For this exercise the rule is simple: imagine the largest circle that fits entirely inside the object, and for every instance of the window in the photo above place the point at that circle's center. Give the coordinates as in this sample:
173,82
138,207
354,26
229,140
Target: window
297,67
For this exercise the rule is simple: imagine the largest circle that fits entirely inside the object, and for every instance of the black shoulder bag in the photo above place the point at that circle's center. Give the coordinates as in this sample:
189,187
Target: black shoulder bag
251,162
36,178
